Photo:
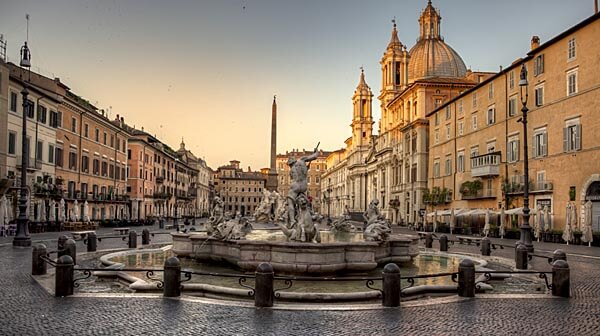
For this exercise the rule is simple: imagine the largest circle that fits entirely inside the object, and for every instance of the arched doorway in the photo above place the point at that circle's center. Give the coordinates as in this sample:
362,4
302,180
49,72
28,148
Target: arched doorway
592,193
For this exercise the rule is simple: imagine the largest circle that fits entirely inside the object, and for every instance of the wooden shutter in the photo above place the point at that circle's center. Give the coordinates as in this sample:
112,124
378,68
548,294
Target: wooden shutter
565,139
578,137
534,147
545,144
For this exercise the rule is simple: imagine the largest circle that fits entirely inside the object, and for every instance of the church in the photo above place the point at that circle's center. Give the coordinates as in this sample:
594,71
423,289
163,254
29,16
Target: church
392,166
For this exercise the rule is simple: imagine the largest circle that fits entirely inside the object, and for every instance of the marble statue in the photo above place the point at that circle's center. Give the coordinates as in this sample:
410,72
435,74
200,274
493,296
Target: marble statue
304,229
377,227
217,216
263,210
232,229
281,208
343,224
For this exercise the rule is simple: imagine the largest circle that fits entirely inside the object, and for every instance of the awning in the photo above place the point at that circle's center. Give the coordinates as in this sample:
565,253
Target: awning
519,211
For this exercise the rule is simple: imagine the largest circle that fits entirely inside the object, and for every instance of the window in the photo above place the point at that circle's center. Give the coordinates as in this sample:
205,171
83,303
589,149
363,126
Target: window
104,138
53,119
447,132
448,166
572,136
572,82
436,168
112,141
460,106
119,147
30,109
491,115
129,155
491,91
50,153
12,143
437,102
474,121
72,160
41,114
540,141
13,101
86,130
437,136
512,152
474,151
474,99
97,135
436,118
460,162
539,95
73,125
461,127
58,159
511,79
96,167
571,52
448,112
58,119
39,151
85,163
104,168
538,67
512,106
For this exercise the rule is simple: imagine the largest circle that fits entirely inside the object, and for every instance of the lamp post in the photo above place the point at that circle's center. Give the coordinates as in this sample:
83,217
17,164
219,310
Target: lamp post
525,228
22,237
328,200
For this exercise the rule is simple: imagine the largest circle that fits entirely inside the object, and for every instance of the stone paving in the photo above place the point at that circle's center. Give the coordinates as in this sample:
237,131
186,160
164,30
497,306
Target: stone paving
27,309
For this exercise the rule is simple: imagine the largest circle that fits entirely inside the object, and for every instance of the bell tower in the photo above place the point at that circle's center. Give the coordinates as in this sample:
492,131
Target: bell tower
394,75
362,119
430,23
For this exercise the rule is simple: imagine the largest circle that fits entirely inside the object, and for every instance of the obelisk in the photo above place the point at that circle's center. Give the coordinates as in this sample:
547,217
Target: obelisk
272,178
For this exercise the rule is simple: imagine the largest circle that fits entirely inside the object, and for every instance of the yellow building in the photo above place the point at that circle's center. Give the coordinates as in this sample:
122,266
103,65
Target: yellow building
241,191
477,140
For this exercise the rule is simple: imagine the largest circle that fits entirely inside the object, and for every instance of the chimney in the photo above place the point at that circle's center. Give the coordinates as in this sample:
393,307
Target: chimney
535,42
249,170
117,117
122,122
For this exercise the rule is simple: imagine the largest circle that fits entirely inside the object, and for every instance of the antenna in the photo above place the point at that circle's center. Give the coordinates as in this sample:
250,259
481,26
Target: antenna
27,18
2,48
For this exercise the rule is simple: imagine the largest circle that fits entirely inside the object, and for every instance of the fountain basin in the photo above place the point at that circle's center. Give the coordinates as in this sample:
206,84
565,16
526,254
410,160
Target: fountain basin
295,257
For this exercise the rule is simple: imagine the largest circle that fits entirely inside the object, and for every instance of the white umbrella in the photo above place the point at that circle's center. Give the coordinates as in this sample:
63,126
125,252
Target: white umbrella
452,220
62,211
75,213
86,212
568,232
587,236
537,228
52,210
435,220
541,220
502,222
574,222
547,215
44,215
486,227
3,210
36,212
111,212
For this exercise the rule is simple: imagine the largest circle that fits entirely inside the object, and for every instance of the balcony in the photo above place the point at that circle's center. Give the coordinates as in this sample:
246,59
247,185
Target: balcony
480,194
32,163
160,179
486,165
541,187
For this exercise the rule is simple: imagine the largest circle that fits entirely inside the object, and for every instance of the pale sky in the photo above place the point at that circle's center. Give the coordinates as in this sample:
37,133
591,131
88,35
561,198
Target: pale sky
207,70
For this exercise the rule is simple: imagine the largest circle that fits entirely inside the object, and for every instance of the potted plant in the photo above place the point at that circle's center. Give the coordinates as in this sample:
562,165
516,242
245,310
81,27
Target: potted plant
557,236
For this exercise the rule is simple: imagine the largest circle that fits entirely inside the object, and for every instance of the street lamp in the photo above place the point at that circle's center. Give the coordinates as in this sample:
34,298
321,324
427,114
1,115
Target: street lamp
22,237
328,200
525,228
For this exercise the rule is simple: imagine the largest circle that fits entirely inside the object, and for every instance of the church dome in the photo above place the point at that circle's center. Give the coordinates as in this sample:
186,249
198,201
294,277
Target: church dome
432,57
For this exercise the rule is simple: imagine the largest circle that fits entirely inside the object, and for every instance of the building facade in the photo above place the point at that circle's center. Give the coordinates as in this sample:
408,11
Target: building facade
392,166
241,191
478,145
315,169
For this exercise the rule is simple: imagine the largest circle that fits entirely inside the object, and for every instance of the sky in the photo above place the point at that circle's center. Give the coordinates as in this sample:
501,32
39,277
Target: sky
206,71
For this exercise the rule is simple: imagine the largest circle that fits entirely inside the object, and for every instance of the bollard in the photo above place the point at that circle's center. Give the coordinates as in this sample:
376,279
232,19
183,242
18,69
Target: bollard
466,278
444,243
391,285
559,255
145,237
263,292
161,224
61,246
132,239
521,257
561,279
71,250
92,242
38,266
486,248
172,278
428,240
63,281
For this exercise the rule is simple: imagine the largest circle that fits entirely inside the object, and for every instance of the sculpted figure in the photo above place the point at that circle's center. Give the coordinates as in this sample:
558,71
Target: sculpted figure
377,232
342,224
372,214
298,173
305,229
216,216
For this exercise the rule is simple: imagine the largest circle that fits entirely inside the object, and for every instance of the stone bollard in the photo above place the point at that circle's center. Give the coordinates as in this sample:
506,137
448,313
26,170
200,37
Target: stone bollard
466,278
444,243
132,239
561,279
559,255
172,278
63,281
486,246
263,292
145,237
428,240
61,246
38,266
71,250
91,242
391,285
521,257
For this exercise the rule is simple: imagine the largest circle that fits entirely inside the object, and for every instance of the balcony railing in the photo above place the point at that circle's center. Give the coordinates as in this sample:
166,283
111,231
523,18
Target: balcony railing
160,179
479,194
486,164
544,186
541,186
32,163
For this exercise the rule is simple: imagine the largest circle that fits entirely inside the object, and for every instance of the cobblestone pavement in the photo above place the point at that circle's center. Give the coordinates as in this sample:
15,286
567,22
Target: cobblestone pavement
27,309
